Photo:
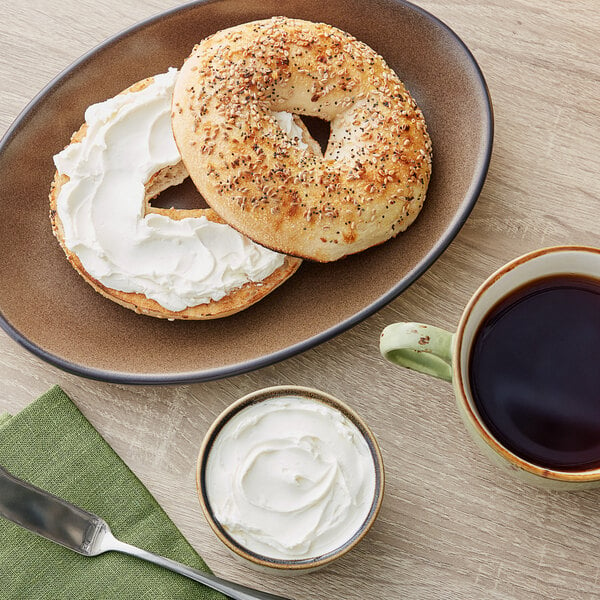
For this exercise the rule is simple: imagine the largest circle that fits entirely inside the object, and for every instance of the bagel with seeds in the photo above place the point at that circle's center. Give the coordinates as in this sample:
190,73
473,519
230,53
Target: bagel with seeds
370,183
236,295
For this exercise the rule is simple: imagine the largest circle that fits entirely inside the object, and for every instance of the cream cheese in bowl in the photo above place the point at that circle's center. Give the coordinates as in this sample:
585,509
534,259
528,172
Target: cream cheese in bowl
290,477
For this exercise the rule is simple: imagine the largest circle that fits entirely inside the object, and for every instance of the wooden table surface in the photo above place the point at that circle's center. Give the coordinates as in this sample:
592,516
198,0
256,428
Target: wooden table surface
452,525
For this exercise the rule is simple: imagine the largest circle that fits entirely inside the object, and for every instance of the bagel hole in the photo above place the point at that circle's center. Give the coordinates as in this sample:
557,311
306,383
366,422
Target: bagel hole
320,130
184,196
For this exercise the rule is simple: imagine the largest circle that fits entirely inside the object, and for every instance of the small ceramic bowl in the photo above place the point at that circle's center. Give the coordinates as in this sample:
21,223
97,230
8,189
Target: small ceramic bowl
290,565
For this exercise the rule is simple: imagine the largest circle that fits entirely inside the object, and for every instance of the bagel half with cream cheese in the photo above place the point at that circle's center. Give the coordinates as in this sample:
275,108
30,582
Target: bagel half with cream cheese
372,180
85,257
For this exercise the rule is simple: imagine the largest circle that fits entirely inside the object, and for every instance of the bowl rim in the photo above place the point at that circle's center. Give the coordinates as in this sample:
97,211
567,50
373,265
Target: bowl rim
151,378
257,397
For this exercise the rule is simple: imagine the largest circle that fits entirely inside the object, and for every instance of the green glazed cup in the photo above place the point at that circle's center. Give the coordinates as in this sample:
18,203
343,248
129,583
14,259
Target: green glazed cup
445,355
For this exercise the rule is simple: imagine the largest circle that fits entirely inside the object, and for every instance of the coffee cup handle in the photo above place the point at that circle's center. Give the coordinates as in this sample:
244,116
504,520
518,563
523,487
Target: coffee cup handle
424,348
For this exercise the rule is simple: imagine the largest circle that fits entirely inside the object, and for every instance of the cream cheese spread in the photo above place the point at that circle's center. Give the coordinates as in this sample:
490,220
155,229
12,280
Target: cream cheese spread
285,120
177,263
290,478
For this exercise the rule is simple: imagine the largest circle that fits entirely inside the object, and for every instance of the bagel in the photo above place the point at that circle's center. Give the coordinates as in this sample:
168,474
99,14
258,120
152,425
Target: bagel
370,183
100,214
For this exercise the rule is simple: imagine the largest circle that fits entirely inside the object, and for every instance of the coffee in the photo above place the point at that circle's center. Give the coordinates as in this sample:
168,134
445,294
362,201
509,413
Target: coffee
535,372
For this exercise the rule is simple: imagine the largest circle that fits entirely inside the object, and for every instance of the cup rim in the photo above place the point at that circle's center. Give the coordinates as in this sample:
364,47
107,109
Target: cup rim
459,384
255,398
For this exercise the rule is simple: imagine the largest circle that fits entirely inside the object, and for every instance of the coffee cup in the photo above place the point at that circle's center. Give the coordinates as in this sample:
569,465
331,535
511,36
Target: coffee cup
524,364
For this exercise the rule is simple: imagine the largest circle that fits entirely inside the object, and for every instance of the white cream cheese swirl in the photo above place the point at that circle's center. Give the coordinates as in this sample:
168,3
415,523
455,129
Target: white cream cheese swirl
177,263
288,125
290,478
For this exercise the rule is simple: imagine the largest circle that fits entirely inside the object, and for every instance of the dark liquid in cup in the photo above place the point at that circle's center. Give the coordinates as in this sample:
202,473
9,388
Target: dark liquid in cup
535,372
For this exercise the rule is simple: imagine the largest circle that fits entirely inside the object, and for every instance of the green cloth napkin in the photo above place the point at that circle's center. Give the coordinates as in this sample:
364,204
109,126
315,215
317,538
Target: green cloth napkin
53,446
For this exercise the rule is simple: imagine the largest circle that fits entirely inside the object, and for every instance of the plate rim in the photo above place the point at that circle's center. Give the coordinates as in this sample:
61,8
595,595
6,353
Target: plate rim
265,360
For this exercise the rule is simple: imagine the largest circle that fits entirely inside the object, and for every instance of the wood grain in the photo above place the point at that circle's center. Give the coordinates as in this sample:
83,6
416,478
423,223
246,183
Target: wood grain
452,526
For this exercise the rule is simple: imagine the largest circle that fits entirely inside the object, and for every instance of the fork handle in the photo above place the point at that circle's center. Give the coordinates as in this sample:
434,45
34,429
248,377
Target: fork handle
233,590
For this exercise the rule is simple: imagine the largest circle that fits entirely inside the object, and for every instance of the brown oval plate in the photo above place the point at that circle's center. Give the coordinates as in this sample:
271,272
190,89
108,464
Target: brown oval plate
48,308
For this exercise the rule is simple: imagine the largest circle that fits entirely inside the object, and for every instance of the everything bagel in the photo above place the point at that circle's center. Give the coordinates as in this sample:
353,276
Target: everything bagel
168,263
368,186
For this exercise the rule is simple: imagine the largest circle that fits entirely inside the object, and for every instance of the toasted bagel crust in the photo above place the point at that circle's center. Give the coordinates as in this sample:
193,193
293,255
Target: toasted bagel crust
235,301
370,184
